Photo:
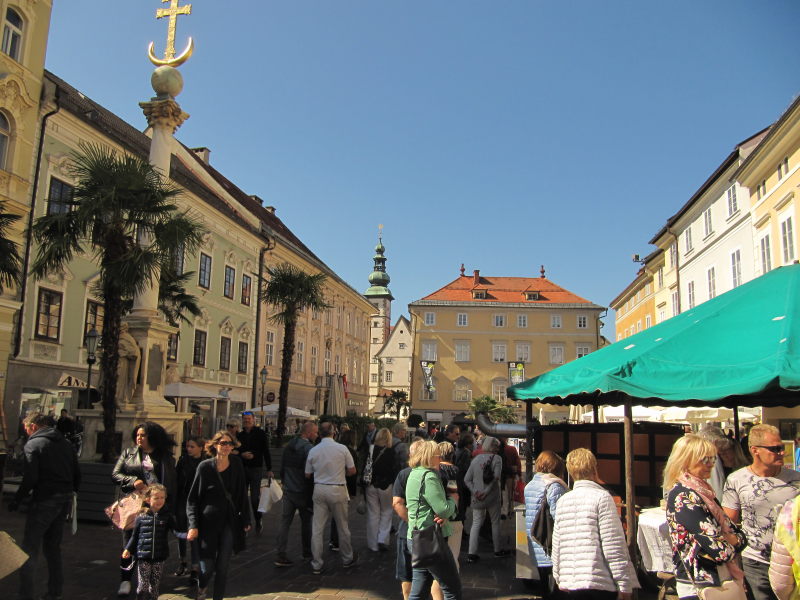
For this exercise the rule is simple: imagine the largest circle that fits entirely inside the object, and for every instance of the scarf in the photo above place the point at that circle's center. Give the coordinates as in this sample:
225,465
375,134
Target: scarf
551,478
788,533
706,492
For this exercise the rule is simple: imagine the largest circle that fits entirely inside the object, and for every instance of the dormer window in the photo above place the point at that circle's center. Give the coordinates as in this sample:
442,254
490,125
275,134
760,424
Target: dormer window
479,294
531,295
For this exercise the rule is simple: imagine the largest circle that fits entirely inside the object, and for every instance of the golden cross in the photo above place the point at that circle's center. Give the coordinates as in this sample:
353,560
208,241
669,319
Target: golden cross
172,12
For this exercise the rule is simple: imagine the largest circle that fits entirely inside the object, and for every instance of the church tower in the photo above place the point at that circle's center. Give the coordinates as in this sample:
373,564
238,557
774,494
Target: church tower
381,298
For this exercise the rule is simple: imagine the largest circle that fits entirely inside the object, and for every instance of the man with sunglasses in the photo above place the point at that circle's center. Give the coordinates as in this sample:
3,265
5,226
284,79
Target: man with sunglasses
254,452
753,496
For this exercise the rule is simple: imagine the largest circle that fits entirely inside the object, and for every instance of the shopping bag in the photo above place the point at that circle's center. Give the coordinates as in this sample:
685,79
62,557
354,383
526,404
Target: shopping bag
12,557
519,492
123,512
271,494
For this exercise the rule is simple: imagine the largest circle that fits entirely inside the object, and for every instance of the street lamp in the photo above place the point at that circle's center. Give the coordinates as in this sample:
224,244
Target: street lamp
91,347
263,376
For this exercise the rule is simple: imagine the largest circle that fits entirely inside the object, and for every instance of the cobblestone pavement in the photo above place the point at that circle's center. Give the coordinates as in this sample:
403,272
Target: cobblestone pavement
91,556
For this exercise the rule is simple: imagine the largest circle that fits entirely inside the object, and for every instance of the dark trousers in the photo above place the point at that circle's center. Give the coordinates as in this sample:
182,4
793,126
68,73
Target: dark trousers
293,501
194,547
217,566
757,575
44,528
254,475
446,573
126,564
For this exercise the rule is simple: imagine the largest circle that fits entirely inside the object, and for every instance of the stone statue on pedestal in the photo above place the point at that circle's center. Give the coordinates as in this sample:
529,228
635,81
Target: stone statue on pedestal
130,357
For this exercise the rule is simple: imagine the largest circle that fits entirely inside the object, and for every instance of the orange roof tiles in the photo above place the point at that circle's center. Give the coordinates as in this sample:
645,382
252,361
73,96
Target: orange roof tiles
505,289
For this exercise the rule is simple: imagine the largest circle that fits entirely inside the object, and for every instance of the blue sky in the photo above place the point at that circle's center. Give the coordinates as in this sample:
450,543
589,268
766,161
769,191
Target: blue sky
502,135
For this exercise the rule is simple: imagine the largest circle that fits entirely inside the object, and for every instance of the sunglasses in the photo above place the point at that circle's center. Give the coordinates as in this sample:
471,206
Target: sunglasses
709,461
225,443
774,449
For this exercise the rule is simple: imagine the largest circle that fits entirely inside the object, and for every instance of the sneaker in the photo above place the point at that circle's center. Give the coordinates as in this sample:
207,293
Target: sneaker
201,594
282,561
352,563
124,588
501,553
316,571
181,570
472,558
259,528
333,547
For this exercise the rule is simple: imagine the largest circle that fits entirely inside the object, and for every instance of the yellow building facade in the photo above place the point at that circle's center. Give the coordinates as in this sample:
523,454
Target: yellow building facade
473,327
22,51
635,307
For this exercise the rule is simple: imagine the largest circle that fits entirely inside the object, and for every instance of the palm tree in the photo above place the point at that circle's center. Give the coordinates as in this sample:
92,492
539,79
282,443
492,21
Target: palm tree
291,290
398,401
10,262
115,198
495,410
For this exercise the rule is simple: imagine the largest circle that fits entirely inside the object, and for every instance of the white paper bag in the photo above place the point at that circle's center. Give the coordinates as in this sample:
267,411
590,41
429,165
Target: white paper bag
271,494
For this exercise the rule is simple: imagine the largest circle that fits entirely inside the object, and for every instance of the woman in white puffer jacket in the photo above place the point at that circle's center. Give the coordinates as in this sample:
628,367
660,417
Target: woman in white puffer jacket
590,555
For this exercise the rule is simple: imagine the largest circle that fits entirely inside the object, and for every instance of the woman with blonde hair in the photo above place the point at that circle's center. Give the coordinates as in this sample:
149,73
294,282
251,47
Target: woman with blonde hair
590,555
378,477
428,503
704,540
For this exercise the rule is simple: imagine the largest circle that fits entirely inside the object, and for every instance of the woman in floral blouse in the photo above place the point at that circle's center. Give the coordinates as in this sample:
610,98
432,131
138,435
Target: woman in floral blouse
704,540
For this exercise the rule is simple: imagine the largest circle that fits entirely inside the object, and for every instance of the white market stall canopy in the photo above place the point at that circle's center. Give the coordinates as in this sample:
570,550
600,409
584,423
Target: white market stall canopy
272,410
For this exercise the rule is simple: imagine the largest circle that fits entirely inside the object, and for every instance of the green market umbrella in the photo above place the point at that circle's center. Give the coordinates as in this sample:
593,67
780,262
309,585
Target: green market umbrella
738,349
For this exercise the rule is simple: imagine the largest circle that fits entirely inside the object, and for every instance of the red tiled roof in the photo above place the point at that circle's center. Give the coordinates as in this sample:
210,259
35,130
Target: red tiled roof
506,289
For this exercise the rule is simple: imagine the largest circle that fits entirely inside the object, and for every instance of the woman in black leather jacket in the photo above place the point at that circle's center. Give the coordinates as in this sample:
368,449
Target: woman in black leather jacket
149,461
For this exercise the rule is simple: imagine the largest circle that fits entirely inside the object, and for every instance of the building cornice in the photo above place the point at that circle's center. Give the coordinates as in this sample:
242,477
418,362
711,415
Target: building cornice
489,303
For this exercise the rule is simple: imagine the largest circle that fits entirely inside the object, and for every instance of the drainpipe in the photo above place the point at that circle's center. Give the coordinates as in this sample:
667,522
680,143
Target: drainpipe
257,344
677,267
24,284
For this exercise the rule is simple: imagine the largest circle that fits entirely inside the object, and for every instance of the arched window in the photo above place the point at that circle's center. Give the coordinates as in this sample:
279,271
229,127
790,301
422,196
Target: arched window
5,140
12,34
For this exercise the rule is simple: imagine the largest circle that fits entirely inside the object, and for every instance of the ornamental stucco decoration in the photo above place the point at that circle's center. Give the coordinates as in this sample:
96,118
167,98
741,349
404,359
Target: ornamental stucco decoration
14,97
226,326
245,332
203,318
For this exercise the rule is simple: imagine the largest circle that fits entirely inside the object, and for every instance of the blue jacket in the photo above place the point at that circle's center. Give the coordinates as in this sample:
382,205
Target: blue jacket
534,493
150,539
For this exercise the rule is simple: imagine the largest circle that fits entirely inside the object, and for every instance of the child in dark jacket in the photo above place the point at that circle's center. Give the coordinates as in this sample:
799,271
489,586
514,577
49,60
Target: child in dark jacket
150,541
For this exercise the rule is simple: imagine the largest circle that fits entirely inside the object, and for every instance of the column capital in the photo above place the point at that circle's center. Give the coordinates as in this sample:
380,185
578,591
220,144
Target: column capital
164,114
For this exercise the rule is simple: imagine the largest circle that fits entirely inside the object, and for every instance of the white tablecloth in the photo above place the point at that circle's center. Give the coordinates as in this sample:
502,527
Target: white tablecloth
653,540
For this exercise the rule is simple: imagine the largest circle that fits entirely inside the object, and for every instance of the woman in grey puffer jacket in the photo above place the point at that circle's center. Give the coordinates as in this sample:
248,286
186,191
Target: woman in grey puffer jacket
484,484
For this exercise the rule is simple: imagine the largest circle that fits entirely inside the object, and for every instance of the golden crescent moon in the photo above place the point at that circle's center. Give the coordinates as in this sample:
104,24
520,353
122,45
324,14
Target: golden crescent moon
172,62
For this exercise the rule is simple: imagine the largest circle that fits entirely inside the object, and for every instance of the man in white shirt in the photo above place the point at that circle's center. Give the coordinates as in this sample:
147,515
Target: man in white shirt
329,463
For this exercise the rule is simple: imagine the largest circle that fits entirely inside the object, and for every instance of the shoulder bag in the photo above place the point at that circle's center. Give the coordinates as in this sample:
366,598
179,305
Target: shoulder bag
543,525
727,590
428,545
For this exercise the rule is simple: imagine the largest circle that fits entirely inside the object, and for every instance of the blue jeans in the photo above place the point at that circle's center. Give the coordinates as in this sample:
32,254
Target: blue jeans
293,501
446,573
757,575
219,564
44,529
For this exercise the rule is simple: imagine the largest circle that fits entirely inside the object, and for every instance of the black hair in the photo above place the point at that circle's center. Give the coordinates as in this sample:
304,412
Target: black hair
160,441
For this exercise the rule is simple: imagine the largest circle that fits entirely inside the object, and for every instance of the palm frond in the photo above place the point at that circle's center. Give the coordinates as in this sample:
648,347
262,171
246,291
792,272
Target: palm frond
10,260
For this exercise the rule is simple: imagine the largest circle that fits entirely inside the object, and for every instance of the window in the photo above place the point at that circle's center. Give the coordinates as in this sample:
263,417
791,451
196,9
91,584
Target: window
555,321
583,322
5,139
787,240
314,358
95,312
199,353
761,189
499,320
337,364
522,321
225,354
12,34
766,254
676,303
300,356
60,198
478,295
373,378
244,349
462,391
48,322
247,286
662,315
204,279
270,350
388,376
499,389
462,351
783,168
531,295
428,350
581,351
660,277
690,294
230,281
736,268
708,227
172,347
556,354
327,361
638,326
499,351
430,318
401,346
733,206
648,321
712,282
462,320
687,236
524,352
673,255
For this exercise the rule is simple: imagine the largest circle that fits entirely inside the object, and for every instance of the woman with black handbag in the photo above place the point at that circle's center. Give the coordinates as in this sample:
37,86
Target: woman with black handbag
429,510
377,483
218,512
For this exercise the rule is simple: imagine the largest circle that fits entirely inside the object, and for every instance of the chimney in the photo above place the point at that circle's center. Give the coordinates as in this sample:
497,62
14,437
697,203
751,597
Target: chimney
270,209
257,199
203,154
476,277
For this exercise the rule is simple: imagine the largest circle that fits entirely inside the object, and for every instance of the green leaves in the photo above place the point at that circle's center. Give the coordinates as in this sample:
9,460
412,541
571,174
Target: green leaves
10,261
497,412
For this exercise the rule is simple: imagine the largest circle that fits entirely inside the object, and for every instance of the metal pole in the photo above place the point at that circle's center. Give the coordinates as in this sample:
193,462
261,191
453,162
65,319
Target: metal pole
89,387
630,501
736,424
528,440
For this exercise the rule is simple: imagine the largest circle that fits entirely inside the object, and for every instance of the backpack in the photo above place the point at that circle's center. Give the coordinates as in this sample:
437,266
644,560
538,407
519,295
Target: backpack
488,471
